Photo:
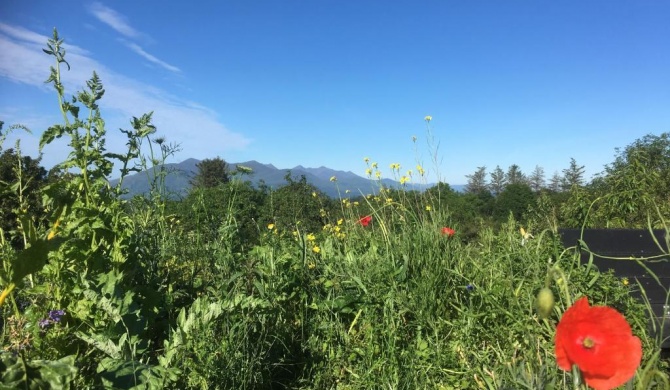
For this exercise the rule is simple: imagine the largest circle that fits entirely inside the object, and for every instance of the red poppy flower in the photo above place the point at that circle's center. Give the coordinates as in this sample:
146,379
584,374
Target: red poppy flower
365,221
598,339
448,231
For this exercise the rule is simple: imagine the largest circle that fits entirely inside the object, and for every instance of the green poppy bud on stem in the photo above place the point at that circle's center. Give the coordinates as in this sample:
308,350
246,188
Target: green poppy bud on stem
545,302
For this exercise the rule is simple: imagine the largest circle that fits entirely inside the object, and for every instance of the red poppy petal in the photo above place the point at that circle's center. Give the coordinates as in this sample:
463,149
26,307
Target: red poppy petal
629,361
614,353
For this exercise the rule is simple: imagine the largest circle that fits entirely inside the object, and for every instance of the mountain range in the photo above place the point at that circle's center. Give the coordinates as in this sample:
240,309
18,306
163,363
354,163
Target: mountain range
178,179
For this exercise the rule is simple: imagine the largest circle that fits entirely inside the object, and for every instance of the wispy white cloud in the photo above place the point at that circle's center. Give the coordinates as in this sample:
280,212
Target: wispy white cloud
192,125
119,23
114,20
152,58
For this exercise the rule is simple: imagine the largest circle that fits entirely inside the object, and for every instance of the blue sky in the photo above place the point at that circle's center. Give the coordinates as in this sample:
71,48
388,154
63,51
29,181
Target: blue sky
324,82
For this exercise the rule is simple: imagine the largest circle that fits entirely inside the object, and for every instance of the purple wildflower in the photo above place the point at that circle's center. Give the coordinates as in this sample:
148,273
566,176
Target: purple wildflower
55,315
469,287
45,323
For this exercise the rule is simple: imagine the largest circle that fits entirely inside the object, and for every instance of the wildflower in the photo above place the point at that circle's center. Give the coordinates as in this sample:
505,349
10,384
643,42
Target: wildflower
395,166
625,281
428,118
389,200
469,287
599,340
404,180
525,236
316,249
340,221
55,315
368,172
420,169
366,159
428,208
311,237
365,221
311,265
356,203
378,175
414,138
271,226
313,194
447,231
333,179
347,191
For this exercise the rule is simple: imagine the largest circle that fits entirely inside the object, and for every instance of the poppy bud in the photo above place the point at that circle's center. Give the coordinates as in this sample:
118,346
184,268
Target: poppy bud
545,302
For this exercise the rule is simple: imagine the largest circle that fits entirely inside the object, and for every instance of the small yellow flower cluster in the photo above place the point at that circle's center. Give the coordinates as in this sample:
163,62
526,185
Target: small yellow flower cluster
316,249
420,169
404,180
311,237
428,208
335,230
395,166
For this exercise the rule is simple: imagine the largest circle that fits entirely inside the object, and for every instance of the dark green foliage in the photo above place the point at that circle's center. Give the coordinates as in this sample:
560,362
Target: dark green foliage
21,180
297,206
573,176
211,173
477,181
515,199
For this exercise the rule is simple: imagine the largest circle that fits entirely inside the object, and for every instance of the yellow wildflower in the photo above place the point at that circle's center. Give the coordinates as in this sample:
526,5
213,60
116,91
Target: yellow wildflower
366,159
625,281
316,249
333,179
314,194
356,203
347,191
311,265
419,168
404,180
378,175
395,166
311,237
340,221
428,208
374,165
428,118
271,226
368,172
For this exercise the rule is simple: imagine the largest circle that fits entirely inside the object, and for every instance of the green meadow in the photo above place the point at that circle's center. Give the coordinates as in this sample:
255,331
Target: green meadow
243,287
